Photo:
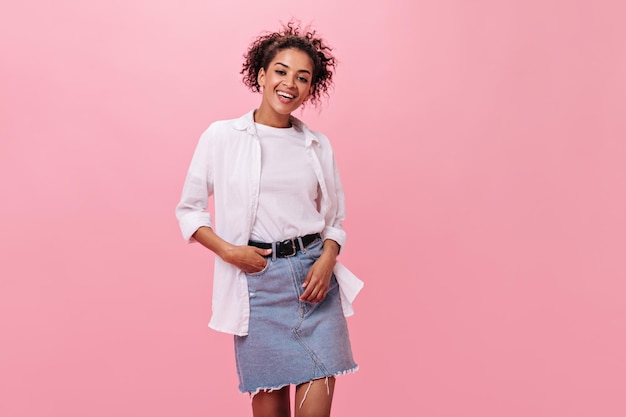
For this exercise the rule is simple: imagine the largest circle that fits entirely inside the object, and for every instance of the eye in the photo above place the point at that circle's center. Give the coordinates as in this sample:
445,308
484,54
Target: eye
280,72
303,79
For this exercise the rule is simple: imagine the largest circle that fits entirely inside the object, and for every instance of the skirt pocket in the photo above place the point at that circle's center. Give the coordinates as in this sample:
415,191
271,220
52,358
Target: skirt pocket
262,271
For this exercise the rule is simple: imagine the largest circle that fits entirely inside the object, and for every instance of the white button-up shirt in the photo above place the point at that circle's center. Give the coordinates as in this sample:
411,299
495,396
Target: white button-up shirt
227,165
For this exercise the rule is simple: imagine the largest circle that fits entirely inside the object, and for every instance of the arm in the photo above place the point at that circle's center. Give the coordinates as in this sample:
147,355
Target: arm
334,229
197,224
317,280
247,258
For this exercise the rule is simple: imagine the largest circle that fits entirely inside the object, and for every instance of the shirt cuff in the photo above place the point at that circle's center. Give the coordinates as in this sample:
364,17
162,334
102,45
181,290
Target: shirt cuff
336,234
192,222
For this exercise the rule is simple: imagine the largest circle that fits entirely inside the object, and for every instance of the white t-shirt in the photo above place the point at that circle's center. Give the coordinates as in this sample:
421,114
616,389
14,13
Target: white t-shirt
288,194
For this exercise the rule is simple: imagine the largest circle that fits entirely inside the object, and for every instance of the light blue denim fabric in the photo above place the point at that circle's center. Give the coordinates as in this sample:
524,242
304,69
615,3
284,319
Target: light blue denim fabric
289,341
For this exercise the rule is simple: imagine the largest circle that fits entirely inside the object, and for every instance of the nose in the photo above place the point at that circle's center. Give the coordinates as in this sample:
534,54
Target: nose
289,82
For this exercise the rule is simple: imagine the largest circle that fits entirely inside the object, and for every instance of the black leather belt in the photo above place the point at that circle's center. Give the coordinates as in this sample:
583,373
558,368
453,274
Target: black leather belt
288,247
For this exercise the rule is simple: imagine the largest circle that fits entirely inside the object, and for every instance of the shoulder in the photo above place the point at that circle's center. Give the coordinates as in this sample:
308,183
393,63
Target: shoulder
228,128
321,138
317,137
222,126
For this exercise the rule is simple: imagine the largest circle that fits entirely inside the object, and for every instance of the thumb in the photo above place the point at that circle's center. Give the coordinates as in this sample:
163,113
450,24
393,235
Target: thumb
263,252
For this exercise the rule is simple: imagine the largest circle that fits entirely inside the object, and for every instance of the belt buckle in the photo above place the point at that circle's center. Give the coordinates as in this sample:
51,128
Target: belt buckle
284,243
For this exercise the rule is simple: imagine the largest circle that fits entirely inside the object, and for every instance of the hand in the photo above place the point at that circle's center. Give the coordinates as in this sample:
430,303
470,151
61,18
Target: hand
249,259
318,279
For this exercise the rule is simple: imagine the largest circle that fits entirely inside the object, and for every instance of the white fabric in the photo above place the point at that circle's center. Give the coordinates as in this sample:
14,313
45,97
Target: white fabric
227,165
288,187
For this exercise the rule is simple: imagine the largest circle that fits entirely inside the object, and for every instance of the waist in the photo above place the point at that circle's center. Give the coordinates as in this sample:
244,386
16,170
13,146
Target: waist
288,247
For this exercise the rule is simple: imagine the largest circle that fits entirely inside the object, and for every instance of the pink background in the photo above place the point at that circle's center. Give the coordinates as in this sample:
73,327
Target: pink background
482,148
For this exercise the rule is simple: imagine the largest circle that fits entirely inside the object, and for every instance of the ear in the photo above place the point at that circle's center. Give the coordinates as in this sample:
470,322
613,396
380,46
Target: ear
260,78
309,94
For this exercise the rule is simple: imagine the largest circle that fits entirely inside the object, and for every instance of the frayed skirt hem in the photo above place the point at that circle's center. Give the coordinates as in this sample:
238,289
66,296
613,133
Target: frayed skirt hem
276,388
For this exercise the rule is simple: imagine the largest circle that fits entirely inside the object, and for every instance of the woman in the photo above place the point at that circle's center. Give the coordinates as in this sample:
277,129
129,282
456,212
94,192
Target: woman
279,205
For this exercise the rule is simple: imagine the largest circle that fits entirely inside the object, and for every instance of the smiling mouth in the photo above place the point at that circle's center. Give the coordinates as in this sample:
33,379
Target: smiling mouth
285,95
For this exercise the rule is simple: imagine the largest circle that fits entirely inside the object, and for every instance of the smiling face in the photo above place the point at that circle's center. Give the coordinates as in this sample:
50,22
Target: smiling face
286,85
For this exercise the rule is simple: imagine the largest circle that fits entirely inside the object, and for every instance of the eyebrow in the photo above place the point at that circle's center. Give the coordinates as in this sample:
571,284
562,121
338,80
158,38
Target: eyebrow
287,66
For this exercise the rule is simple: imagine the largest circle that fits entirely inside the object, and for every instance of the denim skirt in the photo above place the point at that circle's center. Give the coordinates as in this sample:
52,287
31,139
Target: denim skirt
290,341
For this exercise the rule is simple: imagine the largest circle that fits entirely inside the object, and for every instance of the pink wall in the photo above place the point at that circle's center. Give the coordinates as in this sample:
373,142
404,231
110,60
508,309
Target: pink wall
482,147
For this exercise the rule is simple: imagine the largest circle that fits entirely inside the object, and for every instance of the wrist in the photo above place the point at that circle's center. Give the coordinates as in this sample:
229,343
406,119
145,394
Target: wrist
331,249
226,252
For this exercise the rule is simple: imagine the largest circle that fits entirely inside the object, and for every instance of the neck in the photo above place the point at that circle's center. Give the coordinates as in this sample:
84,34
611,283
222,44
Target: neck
273,120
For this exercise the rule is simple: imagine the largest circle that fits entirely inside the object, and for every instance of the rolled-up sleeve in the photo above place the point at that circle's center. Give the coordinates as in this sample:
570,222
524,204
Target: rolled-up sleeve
191,210
334,229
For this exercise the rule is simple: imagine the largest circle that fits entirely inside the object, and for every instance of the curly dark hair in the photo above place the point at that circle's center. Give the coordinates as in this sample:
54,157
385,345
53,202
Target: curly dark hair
265,47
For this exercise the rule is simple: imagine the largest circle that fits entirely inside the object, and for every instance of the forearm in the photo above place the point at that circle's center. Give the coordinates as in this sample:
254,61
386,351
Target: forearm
210,240
331,250
246,258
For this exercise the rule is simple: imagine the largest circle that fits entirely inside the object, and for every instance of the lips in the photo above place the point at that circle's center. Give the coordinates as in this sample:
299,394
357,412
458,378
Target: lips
284,96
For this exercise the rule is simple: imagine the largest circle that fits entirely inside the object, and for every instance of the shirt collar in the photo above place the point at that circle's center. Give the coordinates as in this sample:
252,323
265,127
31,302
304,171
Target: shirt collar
246,122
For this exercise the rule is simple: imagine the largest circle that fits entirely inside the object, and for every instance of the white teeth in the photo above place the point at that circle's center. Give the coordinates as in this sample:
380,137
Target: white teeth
283,94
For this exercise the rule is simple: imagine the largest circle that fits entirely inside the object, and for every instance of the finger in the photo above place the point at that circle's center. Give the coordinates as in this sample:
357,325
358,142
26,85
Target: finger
319,295
314,294
323,294
262,252
307,280
311,298
306,294
256,267
322,291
